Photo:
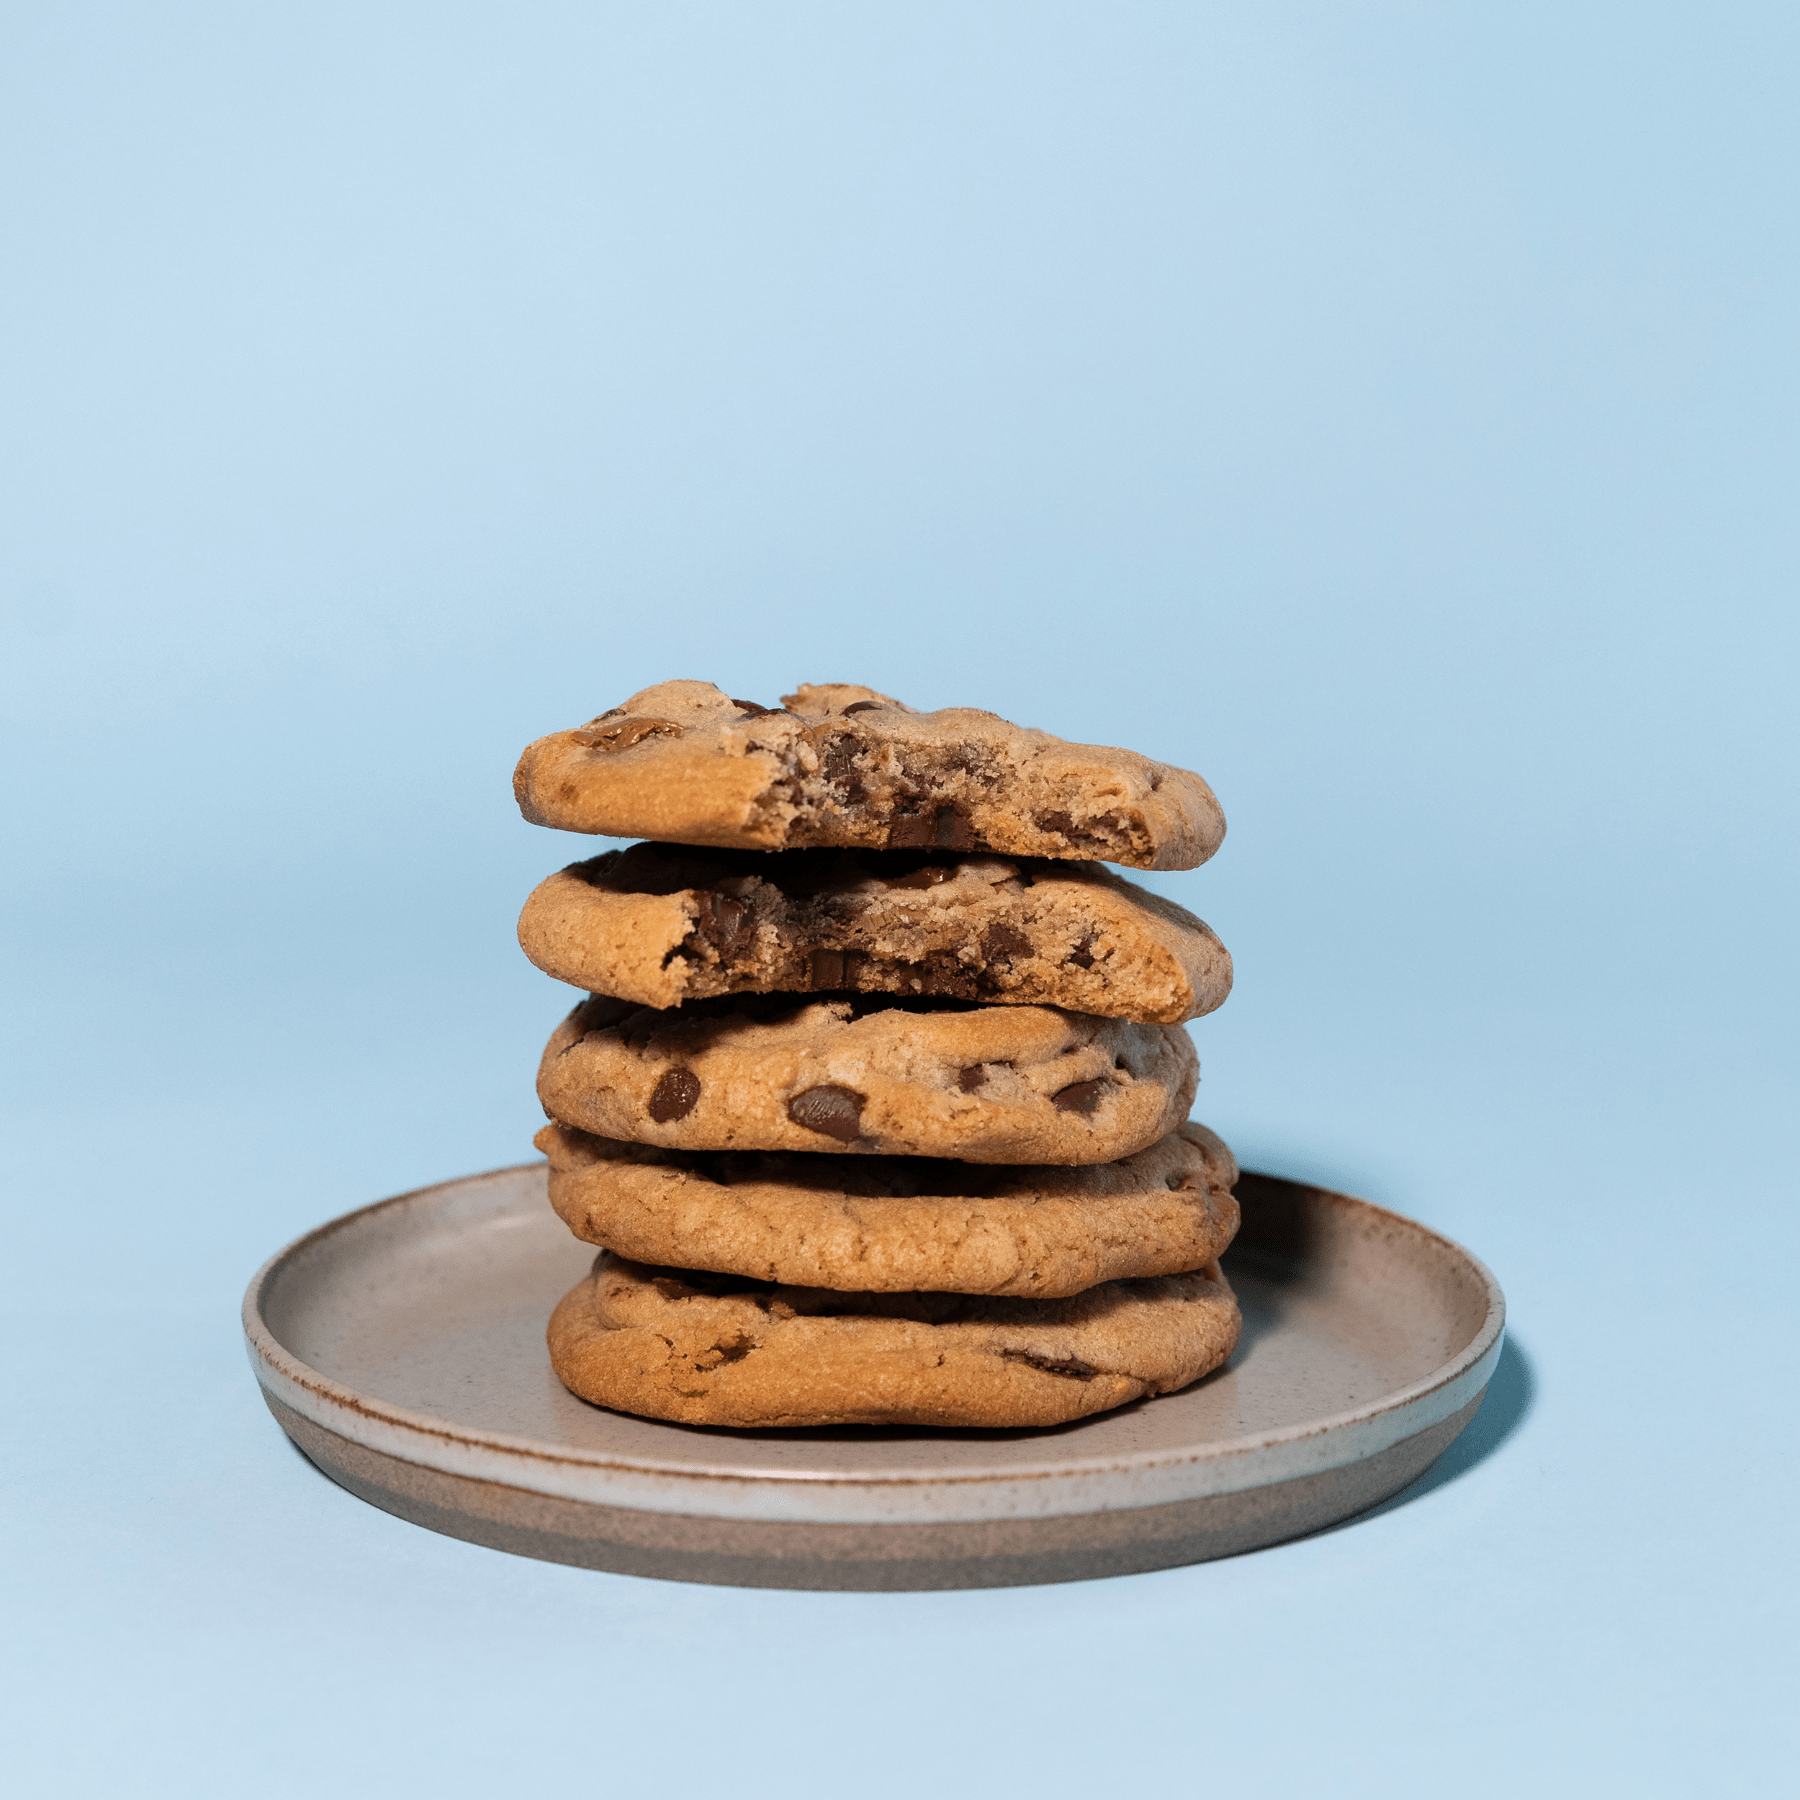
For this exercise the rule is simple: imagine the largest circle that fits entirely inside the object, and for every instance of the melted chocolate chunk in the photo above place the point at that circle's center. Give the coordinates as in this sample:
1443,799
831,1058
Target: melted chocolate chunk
1059,822
941,973
952,830
919,827
674,1096
971,1078
1004,943
622,736
835,1111
1081,956
727,924
831,969
864,706
912,829
736,1350
1080,1096
839,762
751,710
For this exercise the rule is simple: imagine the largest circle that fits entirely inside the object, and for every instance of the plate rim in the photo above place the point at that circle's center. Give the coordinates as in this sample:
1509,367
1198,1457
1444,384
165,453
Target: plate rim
1454,1382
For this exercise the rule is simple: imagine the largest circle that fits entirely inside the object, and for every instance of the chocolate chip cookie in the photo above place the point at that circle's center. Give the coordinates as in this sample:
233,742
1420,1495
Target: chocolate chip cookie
843,765
719,1350
892,1224
661,923
869,1075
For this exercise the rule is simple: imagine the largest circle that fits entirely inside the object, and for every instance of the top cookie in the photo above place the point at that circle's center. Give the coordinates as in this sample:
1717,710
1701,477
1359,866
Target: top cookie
848,767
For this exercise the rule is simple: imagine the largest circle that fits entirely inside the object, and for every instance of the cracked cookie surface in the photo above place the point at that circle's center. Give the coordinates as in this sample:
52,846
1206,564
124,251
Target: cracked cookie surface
704,1349
662,923
867,1075
895,1224
842,765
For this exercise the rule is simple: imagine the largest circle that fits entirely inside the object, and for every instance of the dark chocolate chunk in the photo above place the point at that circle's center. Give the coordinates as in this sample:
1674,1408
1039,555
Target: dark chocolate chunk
623,735
839,763
920,827
864,706
1004,943
828,969
1081,956
912,829
674,1095
942,973
950,830
971,1078
727,924
835,1111
751,710
1080,1096
1059,822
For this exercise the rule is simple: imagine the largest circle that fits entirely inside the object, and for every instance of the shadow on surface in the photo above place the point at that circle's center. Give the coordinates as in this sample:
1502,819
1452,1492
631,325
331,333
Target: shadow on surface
1510,1396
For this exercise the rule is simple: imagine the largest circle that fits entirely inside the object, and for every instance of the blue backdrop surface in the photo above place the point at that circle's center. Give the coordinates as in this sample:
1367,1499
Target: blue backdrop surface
1385,409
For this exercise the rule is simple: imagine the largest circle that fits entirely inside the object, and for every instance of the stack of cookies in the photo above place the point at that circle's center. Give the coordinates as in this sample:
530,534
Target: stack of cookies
877,1105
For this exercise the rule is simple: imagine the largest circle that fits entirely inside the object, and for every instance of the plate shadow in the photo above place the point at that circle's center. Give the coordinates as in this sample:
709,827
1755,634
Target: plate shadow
1511,1395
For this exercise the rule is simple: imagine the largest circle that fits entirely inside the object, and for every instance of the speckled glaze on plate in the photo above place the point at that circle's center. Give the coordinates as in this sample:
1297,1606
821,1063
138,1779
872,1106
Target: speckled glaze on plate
402,1348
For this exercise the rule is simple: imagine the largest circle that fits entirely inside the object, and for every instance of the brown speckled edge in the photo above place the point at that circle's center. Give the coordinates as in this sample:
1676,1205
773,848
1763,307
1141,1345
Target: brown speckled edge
1277,1493
870,1558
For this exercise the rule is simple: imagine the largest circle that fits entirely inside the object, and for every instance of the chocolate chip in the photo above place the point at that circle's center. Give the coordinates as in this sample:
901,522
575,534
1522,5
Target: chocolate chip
751,710
912,829
674,1095
1081,956
1059,822
950,830
971,1078
942,973
1080,1096
864,706
839,763
727,924
917,827
624,734
1004,943
835,1111
828,969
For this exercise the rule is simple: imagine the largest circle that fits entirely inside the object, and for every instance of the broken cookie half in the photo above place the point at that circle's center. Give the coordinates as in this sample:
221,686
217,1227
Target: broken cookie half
840,765
659,924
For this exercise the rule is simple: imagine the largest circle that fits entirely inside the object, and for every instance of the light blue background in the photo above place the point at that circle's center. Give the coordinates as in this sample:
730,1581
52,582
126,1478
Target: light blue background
1388,410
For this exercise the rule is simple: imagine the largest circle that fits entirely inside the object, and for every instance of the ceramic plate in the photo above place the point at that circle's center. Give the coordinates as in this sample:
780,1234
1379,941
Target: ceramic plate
402,1348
